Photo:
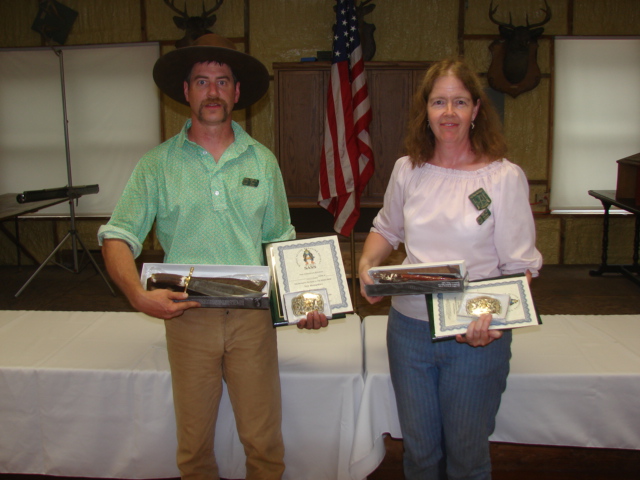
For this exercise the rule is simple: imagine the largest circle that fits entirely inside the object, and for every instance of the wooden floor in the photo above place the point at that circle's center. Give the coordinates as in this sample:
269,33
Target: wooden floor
559,290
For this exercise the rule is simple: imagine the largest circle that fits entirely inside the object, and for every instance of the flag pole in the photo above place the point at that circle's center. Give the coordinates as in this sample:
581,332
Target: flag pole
354,282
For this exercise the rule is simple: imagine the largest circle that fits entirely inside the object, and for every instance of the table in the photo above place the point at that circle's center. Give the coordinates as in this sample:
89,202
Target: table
608,198
88,394
574,381
11,209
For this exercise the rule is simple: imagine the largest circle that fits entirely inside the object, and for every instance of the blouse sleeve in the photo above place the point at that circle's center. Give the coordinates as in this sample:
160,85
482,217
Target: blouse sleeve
390,219
515,233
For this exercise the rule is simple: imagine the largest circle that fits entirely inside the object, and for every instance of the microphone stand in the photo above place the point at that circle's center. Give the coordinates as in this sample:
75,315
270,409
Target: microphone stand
73,196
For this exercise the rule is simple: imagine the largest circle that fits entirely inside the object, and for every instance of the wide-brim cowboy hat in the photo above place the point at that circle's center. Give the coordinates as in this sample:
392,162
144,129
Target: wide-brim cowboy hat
171,70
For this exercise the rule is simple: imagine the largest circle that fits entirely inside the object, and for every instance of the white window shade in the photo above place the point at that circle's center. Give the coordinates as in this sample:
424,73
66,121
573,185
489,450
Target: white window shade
596,116
113,112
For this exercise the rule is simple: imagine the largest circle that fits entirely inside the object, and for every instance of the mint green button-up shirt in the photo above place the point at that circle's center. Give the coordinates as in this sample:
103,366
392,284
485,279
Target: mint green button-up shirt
205,212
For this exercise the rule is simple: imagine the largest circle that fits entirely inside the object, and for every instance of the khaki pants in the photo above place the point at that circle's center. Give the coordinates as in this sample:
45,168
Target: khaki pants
207,345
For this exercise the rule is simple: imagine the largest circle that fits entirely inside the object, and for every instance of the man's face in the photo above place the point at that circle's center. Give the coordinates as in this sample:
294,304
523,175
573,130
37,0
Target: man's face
211,93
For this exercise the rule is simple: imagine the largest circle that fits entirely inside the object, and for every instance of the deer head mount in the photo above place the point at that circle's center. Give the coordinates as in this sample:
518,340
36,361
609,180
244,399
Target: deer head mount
194,27
366,30
514,67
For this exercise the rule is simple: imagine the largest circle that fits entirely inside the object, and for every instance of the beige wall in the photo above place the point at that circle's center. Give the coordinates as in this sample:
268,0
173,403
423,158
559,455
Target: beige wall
286,30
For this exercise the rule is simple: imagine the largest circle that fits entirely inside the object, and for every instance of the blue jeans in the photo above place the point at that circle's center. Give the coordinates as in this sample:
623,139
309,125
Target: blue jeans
448,396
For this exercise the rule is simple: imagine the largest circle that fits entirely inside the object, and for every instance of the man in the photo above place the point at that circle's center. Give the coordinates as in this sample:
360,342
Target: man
216,196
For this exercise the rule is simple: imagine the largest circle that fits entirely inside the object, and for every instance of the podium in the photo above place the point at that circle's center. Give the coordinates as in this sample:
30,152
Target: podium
628,184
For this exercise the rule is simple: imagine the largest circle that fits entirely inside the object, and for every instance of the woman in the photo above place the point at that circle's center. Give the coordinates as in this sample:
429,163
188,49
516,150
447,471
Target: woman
448,392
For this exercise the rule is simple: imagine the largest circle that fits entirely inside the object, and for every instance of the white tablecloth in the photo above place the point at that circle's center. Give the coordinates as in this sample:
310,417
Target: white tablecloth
89,394
574,381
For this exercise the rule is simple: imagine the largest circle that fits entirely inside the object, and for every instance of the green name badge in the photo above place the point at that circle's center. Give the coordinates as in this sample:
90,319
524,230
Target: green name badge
250,182
483,216
480,199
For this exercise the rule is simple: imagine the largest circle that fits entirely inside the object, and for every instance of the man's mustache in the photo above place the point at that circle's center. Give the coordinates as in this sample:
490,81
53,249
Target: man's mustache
214,100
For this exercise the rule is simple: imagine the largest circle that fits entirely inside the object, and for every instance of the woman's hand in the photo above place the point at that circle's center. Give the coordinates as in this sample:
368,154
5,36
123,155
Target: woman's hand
478,333
375,251
365,279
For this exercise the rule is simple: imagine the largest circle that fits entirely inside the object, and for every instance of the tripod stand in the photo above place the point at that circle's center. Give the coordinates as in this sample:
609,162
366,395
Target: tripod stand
73,194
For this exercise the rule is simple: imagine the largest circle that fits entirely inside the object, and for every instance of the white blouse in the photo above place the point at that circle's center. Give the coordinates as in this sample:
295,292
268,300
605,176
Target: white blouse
429,210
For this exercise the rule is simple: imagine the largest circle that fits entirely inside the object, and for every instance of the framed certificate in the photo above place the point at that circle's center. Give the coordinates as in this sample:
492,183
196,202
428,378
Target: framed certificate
507,298
309,265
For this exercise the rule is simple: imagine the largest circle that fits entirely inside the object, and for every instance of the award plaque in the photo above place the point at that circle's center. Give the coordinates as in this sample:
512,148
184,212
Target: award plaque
508,299
307,266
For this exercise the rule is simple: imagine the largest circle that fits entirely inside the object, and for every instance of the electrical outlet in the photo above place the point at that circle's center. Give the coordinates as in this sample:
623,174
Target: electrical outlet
542,198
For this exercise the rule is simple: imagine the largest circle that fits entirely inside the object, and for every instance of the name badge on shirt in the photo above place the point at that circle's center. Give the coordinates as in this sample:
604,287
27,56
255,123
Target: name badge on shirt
483,216
250,182
480,199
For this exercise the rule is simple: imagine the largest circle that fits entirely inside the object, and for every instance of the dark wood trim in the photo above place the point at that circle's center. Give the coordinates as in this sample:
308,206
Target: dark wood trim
570,15
301,66
462,14
143,21
552,96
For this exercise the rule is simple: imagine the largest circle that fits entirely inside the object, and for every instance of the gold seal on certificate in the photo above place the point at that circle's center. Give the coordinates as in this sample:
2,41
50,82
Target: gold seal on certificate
310,266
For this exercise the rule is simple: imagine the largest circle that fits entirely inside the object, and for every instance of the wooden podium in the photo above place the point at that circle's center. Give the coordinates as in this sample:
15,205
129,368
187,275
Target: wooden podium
628,186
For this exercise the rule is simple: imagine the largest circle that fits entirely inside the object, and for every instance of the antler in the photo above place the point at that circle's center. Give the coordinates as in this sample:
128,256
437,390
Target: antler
547,17
497,22
184,14
206,13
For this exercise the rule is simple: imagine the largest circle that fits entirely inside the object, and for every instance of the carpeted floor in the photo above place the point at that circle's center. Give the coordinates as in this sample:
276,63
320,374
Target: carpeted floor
560,289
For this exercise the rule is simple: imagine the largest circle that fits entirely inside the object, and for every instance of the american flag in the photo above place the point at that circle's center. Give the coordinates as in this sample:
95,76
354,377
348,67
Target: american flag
346,164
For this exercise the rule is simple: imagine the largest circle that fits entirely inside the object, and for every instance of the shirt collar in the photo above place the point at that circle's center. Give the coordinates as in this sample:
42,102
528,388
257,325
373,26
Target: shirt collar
242,139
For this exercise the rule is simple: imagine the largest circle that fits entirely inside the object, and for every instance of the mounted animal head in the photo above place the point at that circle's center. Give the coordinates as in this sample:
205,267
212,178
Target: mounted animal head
515,54
366,29
194,27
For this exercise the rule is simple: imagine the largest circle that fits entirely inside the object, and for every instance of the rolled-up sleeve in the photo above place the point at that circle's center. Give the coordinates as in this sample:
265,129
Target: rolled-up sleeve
135,211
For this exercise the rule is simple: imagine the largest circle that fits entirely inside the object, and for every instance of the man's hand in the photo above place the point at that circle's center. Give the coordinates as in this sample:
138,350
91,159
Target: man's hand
160,303
123,271
314,321
478,333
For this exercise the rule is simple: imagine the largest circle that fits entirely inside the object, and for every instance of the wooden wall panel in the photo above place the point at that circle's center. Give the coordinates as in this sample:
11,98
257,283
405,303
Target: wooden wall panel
299,119
300,97
391,92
